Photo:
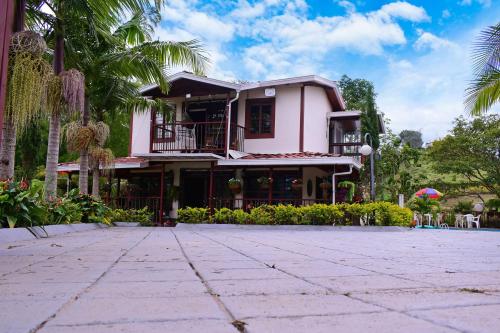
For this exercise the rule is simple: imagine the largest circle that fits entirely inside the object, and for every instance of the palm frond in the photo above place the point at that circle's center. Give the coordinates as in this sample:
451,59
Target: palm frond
483,93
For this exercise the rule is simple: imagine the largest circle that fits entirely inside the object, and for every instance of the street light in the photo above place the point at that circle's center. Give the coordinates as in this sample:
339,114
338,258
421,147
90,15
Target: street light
368,150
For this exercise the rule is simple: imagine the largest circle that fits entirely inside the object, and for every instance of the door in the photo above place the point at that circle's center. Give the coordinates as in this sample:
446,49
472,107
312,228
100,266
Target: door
194,188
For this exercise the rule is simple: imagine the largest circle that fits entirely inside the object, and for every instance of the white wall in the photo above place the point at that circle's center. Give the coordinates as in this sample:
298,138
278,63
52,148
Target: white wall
287,121
310,173
141,133
316,106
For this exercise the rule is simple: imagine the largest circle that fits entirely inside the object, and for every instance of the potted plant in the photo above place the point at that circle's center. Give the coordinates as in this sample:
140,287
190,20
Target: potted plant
234,185
264,182
297,184
325,186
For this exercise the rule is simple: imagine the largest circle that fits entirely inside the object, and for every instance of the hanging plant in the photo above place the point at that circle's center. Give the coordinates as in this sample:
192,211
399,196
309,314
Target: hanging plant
264,182
297,184
73,89
351,189
28,76
234,185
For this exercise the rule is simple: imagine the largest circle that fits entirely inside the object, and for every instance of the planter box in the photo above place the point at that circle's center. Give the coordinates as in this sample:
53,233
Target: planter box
126,224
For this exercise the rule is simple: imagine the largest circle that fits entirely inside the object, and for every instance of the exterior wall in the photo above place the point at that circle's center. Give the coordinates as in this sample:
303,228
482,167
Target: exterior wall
310,174
141,133
287,121
316,107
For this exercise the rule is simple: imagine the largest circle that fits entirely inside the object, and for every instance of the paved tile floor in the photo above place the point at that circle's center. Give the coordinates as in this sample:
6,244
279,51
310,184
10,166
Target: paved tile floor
257,279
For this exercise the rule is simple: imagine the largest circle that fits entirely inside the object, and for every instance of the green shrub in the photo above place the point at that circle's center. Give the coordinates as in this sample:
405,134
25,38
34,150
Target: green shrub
424,205
19,204
321,214
223,215
263,215
240,216
389,214
63,211
143,216
463,207
353,212
192,215
493,204
93,210
287,214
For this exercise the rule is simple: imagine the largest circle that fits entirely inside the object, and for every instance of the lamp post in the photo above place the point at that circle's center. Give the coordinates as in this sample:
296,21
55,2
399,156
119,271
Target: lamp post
368,150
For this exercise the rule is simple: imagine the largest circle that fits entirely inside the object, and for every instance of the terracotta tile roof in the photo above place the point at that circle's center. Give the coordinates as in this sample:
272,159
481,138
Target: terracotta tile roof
306,154
122,160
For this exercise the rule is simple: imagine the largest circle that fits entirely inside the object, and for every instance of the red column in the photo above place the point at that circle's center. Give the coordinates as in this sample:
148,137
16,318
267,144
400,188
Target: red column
6,20
211,189
270,190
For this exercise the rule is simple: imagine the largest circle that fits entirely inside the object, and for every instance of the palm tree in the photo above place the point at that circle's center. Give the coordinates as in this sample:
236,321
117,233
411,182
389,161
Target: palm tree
115,65
99,15
484,91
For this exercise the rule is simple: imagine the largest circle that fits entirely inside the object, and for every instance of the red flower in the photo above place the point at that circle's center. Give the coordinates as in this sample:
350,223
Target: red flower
24,185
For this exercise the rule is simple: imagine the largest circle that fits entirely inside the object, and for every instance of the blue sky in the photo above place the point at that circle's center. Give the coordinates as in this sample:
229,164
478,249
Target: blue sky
417,53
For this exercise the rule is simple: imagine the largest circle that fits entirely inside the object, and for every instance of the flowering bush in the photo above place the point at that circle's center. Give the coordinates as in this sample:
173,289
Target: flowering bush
93,210
63,211
19,204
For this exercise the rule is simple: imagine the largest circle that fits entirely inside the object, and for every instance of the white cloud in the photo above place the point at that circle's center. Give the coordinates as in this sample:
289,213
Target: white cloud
484,3
404,10
425,93
426,40
246,10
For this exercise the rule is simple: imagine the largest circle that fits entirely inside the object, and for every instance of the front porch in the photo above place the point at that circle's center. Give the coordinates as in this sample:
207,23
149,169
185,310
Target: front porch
165,187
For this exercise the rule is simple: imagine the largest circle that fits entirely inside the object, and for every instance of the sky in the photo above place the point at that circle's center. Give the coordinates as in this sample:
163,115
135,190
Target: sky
416,52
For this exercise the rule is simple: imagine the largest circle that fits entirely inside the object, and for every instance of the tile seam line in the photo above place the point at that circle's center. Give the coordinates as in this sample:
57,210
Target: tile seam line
328,288
82,292
51,257
214,295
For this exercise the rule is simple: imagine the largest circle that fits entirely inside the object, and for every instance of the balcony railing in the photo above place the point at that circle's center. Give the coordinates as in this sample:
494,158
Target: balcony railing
346,149
196,137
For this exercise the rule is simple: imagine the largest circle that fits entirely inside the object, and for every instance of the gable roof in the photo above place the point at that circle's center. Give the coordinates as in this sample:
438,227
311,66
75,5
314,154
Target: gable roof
330,86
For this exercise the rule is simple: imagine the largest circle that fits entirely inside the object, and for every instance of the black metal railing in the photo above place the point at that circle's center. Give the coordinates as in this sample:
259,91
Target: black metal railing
196,137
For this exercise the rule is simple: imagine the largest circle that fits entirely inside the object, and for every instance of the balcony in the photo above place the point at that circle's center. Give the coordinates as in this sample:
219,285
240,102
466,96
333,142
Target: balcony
196,137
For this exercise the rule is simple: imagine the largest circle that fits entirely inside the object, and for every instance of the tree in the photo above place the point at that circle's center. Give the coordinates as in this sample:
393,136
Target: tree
472,149
359,94
397,169
412,138
100,16
116,64
484,91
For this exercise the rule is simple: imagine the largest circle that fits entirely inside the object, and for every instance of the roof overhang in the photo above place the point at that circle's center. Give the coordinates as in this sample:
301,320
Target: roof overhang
344,114
341,160
179,157
70,167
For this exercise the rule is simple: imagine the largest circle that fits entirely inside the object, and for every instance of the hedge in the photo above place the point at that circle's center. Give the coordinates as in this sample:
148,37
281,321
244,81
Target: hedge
380,213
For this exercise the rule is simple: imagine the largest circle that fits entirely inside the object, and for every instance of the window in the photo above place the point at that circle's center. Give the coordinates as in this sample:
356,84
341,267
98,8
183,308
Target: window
259,118
163,129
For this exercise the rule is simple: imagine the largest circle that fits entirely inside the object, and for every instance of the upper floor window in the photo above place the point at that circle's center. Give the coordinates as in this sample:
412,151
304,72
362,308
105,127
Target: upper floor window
164,129
259,118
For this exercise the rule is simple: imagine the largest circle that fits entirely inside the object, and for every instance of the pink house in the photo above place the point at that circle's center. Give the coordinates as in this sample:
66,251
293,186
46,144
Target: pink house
283,141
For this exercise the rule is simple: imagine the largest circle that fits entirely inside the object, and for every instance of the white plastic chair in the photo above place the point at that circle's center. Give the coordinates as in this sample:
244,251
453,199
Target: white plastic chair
418,219
459,221
476,221
468,220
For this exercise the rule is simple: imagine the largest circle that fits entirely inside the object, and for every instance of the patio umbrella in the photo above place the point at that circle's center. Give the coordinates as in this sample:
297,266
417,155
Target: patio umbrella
430,192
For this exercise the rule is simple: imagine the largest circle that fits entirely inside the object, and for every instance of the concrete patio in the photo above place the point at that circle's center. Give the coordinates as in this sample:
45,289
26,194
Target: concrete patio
253,279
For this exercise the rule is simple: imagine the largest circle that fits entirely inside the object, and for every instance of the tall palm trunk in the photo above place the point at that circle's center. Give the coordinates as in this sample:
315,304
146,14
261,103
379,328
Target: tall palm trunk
8,150
8,143
95,182
55,118
83,181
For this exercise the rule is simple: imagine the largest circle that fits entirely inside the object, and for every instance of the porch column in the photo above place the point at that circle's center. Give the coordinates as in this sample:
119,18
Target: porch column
162,189
211,189
177,181
117,198
238,198
270,190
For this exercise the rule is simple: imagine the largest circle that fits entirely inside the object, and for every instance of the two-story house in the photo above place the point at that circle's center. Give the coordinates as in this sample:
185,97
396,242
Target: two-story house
288,141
